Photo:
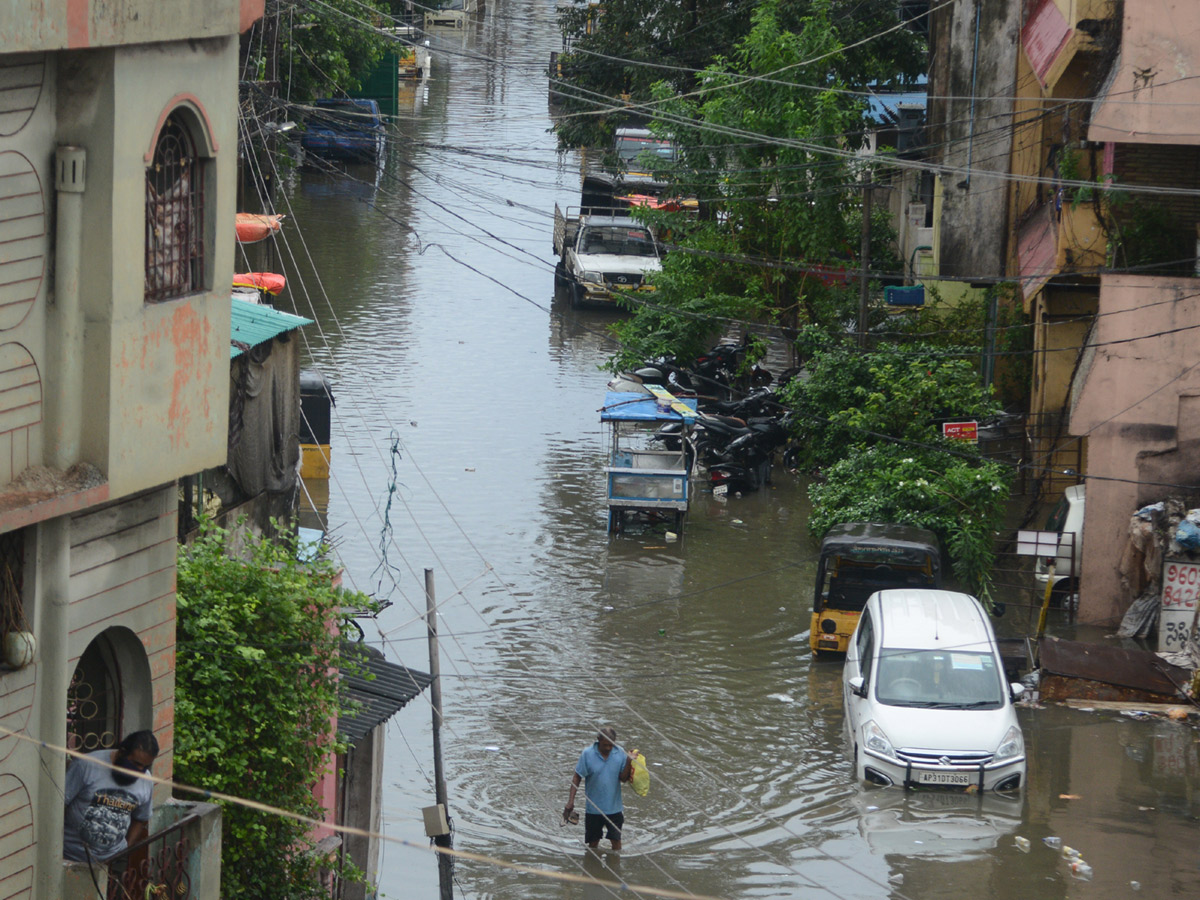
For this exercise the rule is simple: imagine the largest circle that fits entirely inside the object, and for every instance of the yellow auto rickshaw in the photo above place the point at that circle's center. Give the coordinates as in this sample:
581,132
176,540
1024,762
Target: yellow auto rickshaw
858,559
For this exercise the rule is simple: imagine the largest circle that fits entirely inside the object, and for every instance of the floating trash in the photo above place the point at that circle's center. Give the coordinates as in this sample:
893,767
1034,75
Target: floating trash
1052,842
1136,885
1081,870
1022,843
896,879
782,698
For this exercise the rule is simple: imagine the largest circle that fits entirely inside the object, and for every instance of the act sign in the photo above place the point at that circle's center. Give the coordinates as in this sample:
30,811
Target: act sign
961,431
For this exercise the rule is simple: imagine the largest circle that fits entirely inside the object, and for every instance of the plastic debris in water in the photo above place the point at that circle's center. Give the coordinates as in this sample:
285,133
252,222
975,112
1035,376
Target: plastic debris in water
1052,842
1081,870
670,536
1136,885
896,879
1022,843
1070,853
492,749
782,698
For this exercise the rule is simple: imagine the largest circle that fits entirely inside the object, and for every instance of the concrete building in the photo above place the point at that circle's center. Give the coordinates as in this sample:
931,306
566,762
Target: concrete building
1136,391
117,177
1067,164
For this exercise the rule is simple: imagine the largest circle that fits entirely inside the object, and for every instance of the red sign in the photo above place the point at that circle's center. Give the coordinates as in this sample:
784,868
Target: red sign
961,431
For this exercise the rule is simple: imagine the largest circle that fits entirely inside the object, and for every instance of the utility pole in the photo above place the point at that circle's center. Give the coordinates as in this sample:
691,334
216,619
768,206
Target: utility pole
865,253
445,860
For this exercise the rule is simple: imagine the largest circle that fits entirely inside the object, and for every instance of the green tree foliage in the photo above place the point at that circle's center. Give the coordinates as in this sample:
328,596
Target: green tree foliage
871,424
255,696
320,49
764,151
617,51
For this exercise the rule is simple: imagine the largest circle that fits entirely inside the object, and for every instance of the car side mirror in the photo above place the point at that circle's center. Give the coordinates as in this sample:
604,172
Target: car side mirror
1017,691
856,686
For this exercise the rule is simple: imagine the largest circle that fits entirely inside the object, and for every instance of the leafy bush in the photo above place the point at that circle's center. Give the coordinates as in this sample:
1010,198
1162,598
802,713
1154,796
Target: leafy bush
853,399
255,697
871,425
961,500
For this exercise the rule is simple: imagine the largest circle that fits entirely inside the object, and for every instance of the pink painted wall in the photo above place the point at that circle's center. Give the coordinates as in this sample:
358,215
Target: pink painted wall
1127,400
1155,78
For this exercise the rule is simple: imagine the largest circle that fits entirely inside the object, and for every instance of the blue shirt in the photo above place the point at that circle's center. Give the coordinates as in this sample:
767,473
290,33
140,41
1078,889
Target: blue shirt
602,779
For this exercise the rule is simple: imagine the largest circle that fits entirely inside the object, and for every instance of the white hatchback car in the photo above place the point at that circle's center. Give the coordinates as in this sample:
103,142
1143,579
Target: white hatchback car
925,695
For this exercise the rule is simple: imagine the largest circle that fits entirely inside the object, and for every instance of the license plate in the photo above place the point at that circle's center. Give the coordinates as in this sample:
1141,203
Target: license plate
827,642
963,778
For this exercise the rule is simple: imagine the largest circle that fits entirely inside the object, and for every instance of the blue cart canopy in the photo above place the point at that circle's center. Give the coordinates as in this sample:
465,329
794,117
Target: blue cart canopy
621,406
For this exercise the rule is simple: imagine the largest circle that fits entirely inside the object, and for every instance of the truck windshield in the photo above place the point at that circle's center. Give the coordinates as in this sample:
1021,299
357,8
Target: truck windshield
630,149
617,240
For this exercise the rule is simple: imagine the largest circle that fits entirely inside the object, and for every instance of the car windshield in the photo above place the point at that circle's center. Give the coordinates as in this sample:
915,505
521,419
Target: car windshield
938,679
630,149
618,240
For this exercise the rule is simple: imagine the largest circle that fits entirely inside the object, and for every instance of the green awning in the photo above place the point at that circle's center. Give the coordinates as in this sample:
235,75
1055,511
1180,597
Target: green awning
255,323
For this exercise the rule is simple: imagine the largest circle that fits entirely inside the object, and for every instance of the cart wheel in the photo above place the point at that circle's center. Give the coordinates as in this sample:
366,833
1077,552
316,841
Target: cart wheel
680,516
614,521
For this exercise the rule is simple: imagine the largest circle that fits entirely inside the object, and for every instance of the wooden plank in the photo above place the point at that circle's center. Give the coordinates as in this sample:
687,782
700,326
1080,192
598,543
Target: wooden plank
1124,705
116,600
111,549
1061,687
113,517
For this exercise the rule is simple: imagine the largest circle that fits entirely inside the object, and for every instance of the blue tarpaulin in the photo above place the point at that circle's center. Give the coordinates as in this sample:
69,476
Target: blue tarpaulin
620,406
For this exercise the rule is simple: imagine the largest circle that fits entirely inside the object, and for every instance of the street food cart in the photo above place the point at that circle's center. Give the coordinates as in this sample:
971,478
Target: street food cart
646,476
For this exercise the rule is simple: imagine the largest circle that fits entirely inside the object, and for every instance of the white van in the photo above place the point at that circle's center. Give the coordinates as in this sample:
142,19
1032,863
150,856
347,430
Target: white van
1067,520
927,703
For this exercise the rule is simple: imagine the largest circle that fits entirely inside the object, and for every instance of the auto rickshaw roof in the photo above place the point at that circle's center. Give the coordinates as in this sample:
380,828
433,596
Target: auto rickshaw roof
627,406
880,534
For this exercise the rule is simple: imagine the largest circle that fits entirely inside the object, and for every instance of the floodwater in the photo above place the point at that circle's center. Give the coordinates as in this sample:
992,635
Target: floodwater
467,441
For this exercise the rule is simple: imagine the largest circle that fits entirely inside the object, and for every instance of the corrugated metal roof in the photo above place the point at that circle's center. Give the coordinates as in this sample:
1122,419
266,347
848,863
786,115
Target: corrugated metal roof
383,689
255,323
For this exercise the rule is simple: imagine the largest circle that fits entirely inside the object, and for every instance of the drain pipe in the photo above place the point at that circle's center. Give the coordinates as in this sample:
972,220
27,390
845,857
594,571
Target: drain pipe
52,602
974,82
66,401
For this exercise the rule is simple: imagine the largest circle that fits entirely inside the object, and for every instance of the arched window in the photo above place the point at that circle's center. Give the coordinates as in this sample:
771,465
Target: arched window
94,699
175,227
110,691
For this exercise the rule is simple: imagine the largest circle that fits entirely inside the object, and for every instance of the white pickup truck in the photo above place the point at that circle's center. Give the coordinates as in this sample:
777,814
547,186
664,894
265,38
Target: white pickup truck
600,256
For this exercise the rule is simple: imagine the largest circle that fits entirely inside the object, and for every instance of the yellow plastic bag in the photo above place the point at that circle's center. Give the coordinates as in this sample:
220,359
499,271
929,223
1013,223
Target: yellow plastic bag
641,775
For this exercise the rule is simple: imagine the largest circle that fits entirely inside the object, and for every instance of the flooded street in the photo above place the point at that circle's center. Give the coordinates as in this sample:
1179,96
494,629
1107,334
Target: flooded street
467,440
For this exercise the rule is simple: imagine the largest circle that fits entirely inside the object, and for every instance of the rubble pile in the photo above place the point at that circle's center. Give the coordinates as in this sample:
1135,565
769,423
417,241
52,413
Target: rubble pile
1162,532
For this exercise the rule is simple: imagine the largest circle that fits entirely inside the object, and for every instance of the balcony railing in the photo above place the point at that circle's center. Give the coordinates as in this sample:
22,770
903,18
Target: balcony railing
180,860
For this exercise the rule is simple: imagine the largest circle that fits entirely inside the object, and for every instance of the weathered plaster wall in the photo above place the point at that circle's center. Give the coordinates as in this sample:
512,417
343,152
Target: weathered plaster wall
77,24
975,135
1155,77
1127,400
123,571
156,384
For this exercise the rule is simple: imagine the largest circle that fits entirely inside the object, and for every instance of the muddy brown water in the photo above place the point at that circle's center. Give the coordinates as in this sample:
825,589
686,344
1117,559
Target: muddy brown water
467,440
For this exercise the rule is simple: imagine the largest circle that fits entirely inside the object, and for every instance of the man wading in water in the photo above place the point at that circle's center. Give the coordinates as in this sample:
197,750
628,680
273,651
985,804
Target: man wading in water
602,767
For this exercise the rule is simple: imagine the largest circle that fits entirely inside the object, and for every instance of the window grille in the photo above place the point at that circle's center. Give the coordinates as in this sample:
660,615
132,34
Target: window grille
174,216
12,582
93,699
